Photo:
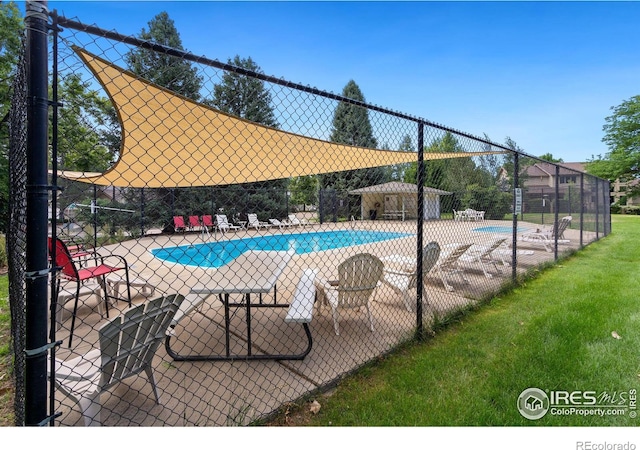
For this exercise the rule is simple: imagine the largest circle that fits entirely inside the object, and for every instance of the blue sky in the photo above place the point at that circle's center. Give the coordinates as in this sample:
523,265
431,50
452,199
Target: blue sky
543,73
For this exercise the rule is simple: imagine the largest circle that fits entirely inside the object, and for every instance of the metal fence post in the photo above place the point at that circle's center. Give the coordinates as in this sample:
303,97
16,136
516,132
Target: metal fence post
420,225
37,279
514,237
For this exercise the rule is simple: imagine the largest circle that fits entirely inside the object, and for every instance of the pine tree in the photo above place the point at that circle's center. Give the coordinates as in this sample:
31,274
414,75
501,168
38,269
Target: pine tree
167,71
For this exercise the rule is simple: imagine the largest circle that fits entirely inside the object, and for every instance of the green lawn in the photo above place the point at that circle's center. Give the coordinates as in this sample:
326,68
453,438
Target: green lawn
557,332
6,385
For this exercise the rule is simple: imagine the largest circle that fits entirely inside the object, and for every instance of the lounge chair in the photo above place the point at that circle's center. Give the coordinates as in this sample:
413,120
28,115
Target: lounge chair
253,222
403,278
448,264
178,224
95,267
358,277
194,223
128,344
207,222
482,255
224,225
298,222
281,225
547,237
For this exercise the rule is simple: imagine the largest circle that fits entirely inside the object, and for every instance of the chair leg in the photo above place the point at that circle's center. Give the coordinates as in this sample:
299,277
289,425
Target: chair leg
370,317
149,371
407,300
447,286
91,408
75,311
336,317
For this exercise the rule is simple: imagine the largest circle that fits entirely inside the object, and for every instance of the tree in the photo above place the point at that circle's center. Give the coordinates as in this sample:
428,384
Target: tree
304,190
351,126
248,98
11,32
549,157
83,142
622,136
173,73
243,96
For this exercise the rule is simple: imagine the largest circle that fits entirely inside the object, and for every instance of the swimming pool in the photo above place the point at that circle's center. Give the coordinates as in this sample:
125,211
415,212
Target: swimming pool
217,254
497,229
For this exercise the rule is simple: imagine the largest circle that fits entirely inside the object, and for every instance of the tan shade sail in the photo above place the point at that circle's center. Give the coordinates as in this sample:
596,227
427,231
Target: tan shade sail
171,141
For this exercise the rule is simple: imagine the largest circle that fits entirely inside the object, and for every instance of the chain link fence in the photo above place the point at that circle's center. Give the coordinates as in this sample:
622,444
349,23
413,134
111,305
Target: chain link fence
246,242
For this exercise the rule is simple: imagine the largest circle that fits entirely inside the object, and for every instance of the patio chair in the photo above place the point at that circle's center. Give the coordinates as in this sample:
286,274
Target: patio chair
253,222
194,223
448,264
483,254
207,222
358,277
127,345
404,279
281,225
546,236
178,224
224,225
298,222
95,267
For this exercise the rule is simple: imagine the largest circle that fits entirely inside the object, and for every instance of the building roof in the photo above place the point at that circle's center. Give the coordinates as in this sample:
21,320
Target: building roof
397,187
549,169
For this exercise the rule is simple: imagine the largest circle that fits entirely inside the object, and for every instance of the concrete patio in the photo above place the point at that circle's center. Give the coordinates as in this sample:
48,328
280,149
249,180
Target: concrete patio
237,392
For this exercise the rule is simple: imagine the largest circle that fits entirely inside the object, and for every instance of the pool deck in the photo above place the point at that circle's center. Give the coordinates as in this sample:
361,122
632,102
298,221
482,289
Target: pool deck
234,392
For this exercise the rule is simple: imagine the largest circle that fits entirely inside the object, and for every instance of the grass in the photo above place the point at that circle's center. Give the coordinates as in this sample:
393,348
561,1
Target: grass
6,381
555,332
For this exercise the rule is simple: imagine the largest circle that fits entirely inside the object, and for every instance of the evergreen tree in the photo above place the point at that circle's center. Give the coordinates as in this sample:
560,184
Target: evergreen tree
244,97
167,71
351,126
175,74
249,98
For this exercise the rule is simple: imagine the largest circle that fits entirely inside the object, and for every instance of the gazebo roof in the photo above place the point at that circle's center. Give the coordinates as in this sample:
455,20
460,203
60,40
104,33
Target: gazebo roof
397,187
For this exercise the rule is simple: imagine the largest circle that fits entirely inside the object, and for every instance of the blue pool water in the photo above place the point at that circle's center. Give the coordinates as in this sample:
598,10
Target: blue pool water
217,254
497,229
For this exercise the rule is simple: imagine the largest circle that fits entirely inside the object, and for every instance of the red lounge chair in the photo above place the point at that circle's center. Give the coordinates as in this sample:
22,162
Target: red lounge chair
178,224
194,223
207,222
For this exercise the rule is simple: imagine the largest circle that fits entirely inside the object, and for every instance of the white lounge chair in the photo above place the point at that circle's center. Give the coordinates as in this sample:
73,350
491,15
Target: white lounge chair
547,237
253,222
448,264
128,344
298,222
224,225
403,278
482,255
279,224
358,277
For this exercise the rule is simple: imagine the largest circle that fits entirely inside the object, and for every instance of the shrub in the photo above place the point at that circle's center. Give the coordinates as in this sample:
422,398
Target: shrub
494,202
634,210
